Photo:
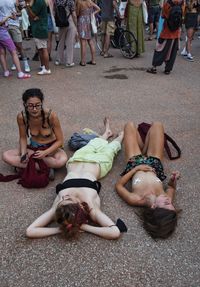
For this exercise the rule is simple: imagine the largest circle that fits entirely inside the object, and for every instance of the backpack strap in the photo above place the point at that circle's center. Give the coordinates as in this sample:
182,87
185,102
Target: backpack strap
48,117
143,130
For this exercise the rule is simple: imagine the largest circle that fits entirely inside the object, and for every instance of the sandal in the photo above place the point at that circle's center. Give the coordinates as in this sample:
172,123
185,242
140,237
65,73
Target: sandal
25,76
82,64
152,70
108,56
167,72
91,63
102,53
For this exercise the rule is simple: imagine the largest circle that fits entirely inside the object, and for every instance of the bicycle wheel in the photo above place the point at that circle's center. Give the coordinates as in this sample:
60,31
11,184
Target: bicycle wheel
128,44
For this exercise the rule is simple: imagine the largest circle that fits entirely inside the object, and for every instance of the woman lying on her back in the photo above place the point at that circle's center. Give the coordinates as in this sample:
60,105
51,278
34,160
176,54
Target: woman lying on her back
77,201
145,169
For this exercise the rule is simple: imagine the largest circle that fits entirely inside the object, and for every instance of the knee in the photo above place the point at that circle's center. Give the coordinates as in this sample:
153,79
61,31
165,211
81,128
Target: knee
129,125
158,125
6,156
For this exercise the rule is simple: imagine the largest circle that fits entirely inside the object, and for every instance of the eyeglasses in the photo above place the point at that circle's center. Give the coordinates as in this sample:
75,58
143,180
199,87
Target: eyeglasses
32,106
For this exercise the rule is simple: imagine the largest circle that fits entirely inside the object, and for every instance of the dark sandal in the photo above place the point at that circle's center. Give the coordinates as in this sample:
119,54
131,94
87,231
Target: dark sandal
82,64
91,63
152,70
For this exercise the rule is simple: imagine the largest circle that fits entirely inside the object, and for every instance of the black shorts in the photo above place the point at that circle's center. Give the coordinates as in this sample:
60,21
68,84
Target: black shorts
191,20
154,14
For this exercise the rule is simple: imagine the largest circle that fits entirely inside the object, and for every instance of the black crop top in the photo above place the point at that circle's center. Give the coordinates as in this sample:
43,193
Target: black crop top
79,182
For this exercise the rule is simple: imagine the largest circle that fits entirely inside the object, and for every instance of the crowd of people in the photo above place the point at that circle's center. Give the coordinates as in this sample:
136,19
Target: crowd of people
71,22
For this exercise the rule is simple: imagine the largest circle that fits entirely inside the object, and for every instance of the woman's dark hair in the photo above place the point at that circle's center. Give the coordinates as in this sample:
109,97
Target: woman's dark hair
31,93
71,216
159,222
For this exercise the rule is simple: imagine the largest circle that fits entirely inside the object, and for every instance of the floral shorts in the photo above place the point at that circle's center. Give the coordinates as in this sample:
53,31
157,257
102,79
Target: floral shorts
152,161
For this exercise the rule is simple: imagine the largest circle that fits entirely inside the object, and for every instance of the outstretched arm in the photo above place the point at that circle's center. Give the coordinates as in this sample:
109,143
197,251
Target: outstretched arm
108,229
38,228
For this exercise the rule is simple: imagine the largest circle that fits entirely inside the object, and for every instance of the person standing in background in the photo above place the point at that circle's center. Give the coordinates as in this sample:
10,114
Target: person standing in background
8,7
37,10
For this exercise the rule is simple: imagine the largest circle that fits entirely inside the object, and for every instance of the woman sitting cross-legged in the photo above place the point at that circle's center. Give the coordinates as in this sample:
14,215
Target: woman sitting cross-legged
77,201
145,170
42,127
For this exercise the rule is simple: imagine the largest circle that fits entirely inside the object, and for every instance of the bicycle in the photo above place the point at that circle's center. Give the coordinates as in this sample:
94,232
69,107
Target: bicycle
124,40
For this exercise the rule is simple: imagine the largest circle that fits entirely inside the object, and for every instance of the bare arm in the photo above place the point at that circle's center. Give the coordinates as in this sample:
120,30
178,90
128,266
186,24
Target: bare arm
171,187
116,8
96,7
22,135
38,230
130,197
108,229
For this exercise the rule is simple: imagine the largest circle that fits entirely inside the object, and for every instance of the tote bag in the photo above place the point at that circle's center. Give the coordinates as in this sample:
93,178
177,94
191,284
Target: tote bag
144,11
93,24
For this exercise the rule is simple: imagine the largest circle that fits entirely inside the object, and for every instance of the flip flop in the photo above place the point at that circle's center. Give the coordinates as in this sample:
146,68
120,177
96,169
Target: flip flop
82,64
91,63
25,76
108,56
152,70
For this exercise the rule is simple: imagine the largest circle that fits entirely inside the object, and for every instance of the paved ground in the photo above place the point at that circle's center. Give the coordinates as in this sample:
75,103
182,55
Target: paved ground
82,96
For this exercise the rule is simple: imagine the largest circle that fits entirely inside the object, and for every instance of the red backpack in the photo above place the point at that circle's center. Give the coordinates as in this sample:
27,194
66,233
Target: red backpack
29,177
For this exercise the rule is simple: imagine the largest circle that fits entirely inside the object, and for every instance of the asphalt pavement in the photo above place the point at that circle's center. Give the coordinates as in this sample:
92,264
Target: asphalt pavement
82,97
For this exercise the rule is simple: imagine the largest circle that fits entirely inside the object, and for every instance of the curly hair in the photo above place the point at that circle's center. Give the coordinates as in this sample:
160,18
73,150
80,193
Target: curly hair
71,217
159,222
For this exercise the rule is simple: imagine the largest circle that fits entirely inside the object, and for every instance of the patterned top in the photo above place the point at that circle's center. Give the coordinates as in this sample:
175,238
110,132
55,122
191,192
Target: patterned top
66,3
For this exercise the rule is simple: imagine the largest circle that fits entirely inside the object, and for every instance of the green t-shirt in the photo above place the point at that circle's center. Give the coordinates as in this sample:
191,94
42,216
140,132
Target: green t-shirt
40,27
154,2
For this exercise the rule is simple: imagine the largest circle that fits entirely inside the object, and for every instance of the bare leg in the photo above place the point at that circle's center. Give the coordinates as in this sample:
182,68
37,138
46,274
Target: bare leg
190,34
57,160
108,133
132,141
106,45
92,50
83,51
156,140
16,60
49,43
12,157
3,60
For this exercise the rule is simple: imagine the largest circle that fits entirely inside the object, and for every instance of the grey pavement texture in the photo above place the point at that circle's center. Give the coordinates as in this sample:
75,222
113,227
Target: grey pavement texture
82,96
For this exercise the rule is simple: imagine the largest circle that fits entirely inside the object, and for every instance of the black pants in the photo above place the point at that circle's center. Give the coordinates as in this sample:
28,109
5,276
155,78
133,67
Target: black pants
160,57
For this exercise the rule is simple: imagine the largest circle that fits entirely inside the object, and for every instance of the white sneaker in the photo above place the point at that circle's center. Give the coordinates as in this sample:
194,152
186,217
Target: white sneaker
184,53
27,68
70,65
13,68
44,72
190,58
57,63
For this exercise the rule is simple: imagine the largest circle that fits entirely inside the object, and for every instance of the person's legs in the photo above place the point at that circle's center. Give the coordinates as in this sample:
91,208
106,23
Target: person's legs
61,44
92,50
4,62
83,52
49,43
108,132
132,141
190,34
155,140
12,157
57,160
70,39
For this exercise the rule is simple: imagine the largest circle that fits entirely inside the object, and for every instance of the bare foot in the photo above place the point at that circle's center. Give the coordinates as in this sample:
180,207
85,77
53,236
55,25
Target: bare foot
120,136
108,131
